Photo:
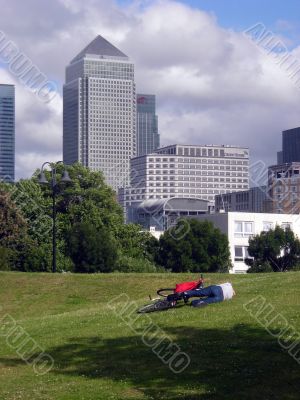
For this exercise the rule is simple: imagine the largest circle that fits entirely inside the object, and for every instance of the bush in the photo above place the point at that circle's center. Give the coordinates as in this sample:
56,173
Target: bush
129,264
260,267
91,249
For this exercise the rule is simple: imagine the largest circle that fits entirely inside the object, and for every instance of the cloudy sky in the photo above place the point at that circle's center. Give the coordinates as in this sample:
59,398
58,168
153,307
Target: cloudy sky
214,85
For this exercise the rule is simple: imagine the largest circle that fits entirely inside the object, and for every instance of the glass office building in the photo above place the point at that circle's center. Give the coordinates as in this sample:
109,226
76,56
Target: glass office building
99,117
290,146
147,127
7,133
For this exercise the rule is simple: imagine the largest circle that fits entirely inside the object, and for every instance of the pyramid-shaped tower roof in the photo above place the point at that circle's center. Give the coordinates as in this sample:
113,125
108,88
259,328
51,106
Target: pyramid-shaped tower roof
100,47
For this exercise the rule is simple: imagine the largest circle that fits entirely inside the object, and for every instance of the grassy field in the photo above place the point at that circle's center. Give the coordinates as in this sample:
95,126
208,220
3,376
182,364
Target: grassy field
98,356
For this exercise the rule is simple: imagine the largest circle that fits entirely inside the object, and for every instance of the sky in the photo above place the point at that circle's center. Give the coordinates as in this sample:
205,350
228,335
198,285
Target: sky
214,83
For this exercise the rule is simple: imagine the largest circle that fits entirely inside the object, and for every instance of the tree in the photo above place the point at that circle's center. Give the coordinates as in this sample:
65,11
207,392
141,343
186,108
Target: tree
13,227
277,248
202,248
87,198
92,249
87,201
13,231
134,242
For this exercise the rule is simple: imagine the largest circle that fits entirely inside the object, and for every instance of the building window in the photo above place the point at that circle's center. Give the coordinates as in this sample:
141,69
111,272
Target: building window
238,253
267,226
241,253
286,225
243,229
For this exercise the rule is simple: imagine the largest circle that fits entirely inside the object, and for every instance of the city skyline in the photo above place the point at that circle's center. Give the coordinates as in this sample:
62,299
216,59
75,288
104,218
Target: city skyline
213,85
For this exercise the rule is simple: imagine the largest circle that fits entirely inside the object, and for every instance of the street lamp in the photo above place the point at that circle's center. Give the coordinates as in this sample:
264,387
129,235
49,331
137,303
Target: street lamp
54,186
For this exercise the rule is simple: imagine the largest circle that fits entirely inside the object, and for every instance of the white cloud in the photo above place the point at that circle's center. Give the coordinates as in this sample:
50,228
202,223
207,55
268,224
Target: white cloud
213,85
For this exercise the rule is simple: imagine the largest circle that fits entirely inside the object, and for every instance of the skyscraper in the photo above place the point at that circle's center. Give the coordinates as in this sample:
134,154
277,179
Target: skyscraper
99,118
147,129
291,145
7,132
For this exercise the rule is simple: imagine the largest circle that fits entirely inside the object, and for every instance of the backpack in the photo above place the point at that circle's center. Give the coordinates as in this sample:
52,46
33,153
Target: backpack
185,286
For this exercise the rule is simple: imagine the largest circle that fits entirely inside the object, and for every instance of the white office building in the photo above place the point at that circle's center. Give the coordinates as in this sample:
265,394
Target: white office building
240,226
188,171
99,116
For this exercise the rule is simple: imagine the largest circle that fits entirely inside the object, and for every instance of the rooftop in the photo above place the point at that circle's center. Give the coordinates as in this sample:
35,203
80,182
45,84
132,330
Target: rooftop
100,47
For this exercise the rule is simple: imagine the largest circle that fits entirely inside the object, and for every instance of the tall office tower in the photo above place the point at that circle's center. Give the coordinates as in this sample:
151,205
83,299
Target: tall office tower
7,133
147,127
99,118
291,145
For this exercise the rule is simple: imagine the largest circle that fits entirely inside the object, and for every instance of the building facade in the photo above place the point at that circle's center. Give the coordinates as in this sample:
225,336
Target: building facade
147,124
284,188
99,116
239,227
7,133
193,171
279,157
162,214
290,146
252,200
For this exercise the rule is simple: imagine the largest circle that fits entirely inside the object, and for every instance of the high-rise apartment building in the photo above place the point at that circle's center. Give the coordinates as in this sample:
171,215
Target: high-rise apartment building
191,171
7,132
147,126
99,118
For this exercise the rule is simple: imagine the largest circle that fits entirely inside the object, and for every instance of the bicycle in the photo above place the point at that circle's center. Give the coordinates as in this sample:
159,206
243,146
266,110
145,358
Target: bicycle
171,296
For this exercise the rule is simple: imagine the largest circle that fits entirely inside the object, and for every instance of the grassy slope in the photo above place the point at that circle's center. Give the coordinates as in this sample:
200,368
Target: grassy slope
97,356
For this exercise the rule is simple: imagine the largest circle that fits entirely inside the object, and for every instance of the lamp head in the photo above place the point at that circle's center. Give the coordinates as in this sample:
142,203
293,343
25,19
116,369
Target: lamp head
65,177
42,178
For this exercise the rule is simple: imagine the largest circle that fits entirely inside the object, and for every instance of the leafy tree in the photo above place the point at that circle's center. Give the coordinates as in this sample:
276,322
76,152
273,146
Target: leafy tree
92,249
6,257
88,197
13,227
134,242
202,248
277,248
13,232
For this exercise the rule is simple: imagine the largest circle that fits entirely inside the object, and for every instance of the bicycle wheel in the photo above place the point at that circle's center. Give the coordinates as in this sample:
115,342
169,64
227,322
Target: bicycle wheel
157,306
165,292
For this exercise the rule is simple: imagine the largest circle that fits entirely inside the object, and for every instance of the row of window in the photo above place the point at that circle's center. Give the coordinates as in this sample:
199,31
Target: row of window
199,160
246,228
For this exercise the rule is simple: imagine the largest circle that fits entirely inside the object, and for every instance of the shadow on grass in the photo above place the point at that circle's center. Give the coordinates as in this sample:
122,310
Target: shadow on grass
241,363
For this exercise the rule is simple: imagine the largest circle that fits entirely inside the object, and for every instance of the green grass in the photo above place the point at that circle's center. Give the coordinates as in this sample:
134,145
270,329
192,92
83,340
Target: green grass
98,356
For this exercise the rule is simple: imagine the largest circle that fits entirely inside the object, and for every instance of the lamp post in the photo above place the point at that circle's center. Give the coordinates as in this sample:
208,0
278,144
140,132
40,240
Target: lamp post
54,186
